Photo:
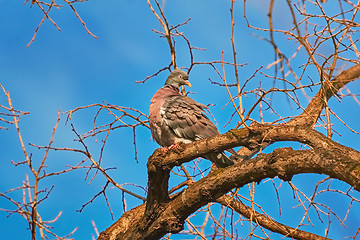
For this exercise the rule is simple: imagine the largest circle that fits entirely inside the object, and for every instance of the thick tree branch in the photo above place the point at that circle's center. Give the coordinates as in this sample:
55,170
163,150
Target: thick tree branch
330,88
257,135
123,224
338,162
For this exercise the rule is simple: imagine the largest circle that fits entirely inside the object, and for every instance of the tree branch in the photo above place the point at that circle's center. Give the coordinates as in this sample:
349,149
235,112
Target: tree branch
330,88
267,222
329,158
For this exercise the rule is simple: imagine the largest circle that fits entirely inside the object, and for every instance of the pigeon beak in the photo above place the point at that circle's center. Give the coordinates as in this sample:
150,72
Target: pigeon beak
188,83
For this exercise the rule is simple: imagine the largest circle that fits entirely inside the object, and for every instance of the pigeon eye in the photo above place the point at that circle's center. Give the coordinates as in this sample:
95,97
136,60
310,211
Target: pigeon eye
180,76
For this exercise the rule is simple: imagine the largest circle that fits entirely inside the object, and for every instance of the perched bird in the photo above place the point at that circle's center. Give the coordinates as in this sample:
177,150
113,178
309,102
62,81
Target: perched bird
176,118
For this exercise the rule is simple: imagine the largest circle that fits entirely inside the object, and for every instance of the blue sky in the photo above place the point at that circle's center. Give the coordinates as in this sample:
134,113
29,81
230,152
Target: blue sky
66,69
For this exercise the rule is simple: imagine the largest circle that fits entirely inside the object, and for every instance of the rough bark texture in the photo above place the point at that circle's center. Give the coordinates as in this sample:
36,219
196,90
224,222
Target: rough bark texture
163,214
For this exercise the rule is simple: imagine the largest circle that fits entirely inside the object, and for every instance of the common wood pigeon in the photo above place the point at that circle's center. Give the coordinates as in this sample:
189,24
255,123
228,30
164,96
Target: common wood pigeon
176,118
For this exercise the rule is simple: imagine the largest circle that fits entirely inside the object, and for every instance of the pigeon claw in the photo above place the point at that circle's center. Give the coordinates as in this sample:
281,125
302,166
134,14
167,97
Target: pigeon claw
174,146
164,150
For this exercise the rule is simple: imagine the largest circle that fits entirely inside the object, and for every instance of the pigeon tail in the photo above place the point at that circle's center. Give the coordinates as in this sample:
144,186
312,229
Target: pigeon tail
220,159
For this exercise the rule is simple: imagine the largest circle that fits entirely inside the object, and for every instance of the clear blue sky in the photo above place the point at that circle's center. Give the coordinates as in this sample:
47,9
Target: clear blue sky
66,69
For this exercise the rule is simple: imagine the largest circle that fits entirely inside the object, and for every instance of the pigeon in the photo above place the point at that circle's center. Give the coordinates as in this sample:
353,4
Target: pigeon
175,118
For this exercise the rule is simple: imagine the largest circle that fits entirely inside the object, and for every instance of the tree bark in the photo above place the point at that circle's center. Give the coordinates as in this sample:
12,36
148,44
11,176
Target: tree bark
327,157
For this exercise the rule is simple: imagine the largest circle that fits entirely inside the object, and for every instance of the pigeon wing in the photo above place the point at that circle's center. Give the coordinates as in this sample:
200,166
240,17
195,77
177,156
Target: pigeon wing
187,118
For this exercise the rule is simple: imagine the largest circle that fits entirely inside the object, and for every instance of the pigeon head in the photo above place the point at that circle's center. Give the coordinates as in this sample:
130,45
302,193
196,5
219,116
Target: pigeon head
178,78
